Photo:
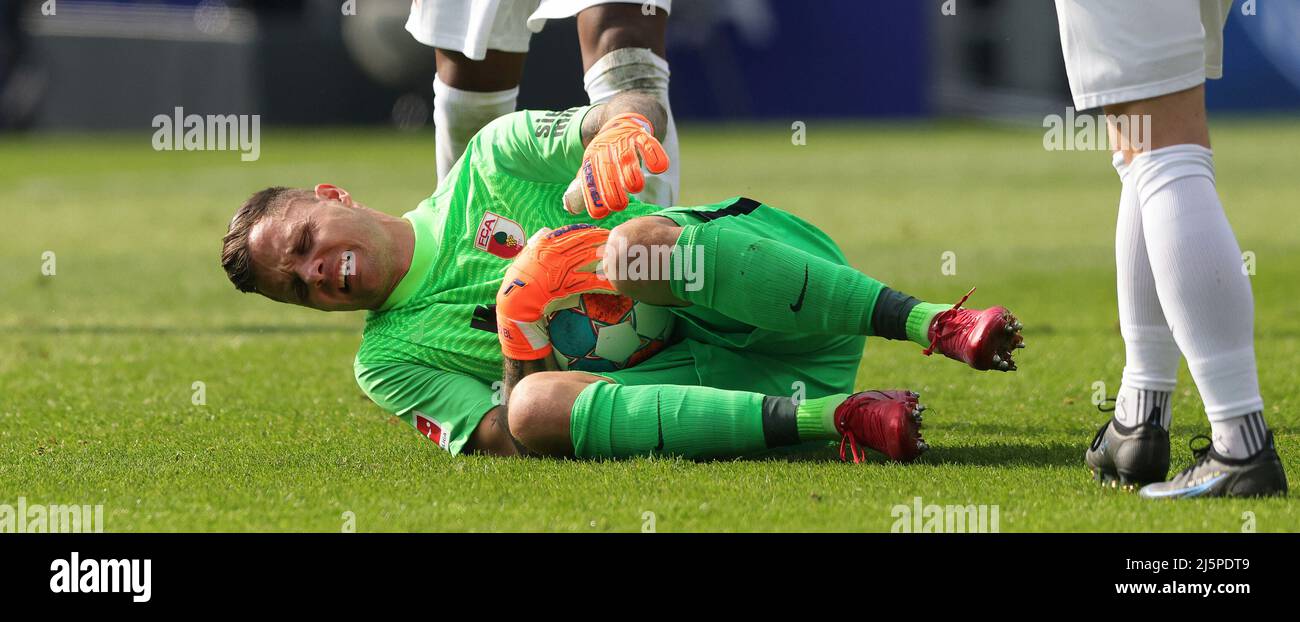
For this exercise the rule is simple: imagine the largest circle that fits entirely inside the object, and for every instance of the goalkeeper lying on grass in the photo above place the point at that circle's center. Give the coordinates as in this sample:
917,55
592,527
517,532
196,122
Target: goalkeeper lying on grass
777,303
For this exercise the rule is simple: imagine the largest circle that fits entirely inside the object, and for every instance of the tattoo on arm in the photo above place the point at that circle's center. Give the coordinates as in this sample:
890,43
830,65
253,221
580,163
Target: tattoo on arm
516,370
639,102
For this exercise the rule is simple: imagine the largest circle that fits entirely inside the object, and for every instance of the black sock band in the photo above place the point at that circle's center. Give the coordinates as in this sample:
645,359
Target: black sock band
889,318
780,421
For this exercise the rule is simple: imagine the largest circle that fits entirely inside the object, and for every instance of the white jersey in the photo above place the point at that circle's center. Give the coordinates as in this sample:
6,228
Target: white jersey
1125,50
472,27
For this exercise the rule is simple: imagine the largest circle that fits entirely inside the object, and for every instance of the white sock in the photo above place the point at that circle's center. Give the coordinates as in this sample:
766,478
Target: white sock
640,69
1197,266
459,115
1239,437
1134,406
1151,355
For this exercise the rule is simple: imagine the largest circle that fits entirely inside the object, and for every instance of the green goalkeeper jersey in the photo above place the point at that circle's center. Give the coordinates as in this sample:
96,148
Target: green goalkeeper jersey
430,354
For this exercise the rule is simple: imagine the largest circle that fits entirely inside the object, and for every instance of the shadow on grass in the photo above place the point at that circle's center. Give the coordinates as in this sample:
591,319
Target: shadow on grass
989,454
1010,454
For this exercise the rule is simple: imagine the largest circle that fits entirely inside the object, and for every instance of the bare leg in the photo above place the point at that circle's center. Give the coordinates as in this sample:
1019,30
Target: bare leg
1196,263
467,94
607,27
497,71
1176,119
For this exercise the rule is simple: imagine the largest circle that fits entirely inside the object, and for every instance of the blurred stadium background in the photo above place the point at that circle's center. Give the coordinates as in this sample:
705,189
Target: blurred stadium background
113,65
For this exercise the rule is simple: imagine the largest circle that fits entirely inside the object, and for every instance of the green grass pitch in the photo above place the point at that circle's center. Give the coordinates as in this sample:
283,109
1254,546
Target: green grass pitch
98,361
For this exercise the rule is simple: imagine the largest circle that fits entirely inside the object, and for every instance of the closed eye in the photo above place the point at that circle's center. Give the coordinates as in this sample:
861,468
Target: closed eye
301,245
304,239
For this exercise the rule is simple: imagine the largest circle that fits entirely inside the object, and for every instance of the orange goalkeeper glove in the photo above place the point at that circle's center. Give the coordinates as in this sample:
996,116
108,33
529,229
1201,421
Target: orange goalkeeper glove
553,266
611,165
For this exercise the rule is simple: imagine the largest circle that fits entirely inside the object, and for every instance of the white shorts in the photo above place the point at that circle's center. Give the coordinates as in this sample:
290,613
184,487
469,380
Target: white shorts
472,27
1124,50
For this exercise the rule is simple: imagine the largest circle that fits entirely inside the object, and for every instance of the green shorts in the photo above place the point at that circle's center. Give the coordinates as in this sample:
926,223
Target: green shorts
718,351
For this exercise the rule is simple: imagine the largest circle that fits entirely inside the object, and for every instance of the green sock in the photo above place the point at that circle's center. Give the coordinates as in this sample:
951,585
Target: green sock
777,286
919,320
616,421
816,418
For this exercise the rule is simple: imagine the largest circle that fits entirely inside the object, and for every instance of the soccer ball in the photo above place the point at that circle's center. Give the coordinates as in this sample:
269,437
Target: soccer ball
607,332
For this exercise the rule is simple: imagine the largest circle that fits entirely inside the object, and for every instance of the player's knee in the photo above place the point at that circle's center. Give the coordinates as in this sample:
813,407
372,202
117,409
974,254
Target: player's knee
644,233
638,259
527,405
498,71
539,407
648,242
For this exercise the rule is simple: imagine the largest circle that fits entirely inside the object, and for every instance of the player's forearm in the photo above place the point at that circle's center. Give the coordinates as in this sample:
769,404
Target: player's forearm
638,102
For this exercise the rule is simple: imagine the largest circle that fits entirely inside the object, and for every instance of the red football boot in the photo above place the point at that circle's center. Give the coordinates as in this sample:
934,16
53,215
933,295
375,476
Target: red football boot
886,421
983,339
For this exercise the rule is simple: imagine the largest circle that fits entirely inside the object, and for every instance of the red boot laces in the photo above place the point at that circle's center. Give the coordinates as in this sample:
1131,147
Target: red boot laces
958,327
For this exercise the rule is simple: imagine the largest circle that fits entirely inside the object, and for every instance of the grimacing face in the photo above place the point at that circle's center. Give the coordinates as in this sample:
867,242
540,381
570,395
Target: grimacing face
327,253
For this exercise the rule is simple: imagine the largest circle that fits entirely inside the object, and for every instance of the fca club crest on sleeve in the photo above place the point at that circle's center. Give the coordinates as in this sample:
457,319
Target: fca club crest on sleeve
500,236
